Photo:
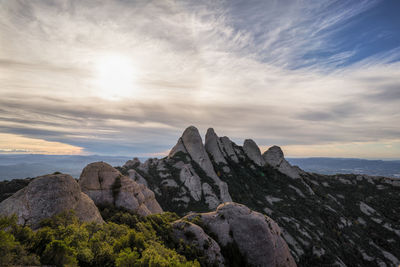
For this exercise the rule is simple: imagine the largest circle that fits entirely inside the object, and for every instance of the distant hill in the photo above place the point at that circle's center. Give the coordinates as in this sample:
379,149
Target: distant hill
388,168
22,166
30,165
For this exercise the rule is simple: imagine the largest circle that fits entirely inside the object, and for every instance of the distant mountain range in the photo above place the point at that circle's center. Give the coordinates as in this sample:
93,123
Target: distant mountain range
30,165
388,168
23,166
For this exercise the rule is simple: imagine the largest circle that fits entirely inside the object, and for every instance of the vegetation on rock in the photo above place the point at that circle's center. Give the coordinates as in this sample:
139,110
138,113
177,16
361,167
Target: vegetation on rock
124,240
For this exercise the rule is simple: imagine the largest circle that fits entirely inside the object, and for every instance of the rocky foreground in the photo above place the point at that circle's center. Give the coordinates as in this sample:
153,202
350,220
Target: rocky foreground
341,220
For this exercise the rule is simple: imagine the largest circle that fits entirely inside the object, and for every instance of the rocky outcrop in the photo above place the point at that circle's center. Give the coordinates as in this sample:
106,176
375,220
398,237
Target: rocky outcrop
192,181
106,185
132,163
192,144
274,157
227,147
134,175
257,237
49,195
253,152
214,146
192,234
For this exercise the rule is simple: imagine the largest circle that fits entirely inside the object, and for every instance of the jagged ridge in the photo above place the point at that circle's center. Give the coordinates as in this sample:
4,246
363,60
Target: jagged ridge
323,218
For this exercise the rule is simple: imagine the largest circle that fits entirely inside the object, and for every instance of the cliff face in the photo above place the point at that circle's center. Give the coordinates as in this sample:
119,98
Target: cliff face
338,220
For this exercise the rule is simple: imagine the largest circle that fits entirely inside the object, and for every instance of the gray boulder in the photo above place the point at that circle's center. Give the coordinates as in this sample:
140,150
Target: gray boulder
49,195
253,152
274,157
192,234
257,236
106,185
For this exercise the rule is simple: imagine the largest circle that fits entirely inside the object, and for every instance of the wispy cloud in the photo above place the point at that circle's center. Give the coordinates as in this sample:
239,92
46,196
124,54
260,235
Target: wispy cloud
271,70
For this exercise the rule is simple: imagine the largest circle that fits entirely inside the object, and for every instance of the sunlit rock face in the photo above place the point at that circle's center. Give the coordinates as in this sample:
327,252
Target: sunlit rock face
49,195
255,236
107,186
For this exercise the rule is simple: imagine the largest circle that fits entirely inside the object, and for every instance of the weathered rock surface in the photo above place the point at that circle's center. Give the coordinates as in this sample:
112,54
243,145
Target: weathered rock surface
213,146
192,234
192,144
192,181
228,149
274,157
49,195
253,152
257,237
132,163
106,185
134,175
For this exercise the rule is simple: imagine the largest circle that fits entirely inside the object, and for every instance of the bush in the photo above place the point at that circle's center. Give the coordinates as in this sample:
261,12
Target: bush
65,241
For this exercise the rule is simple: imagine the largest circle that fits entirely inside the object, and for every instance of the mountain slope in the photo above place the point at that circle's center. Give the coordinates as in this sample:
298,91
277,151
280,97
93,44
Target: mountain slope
342,220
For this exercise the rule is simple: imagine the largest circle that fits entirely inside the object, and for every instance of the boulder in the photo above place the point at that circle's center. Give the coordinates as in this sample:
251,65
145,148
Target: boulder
192,234
253,152
257,236
132,163
105,185
49,195
274,157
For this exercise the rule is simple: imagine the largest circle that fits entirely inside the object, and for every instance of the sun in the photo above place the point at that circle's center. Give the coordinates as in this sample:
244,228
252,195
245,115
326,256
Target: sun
115,77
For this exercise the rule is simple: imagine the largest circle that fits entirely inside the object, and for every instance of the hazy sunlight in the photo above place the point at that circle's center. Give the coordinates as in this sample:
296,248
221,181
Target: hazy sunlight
115,77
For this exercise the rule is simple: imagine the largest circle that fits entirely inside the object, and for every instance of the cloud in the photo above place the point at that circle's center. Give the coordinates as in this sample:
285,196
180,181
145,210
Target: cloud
273,71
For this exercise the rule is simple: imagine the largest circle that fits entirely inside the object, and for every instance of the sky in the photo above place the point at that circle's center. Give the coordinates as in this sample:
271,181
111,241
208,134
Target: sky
318,78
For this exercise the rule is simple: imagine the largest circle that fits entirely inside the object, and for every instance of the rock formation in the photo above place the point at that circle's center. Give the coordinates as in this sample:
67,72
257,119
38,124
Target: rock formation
49,195
106,185
257,237
315,212
253,152
274,157
192,144
192,234
214,147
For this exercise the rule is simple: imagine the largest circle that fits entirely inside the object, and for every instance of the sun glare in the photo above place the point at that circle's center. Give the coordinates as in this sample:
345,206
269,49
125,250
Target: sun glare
115,77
